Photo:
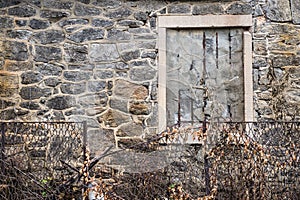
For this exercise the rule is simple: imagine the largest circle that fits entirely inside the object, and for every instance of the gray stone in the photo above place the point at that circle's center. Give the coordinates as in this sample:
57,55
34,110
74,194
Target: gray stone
36,3
205,9
58,4
16,50
139,63
130,55
74,112
108,3
142,73
278,10
19,66
73,88
149,54
30,105
7,3
102,23
34,92
119,104
260,47
130,23
84,10
76,76
61,102
104,74
141,16
5,104
19,34
114,118
81,67
93,100
52,82
22,11
49,36
116,65
238,8
38,24
87,35
47,53
12,114
48,69
103,52
54,15
116,34
20,22
295,5
146,36
119,13
30,77
75,53
260,62
96,86
55,116
74,21
258,11
130,130
84,1
127,90
139,108
138,30
179,8
6,22
95,111
281,61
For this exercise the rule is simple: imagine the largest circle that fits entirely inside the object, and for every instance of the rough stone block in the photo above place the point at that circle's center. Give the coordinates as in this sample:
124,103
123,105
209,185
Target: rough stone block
127,90
30,105
19,34
139,108
87,35
39,24
76,76
119,104
22,11
239,8
103,74
73,88
205,9
48,69
5,104
9,84
142,73
58,4
76,53
73,21
49,36
108,3
113,118
21,22
103,52
141,16
93,100
15,50
54,15
4,3
279,10
130,55
47,53
34,92
52,82
116,34
99,140
130,130
83,10
6,22
61,102
295,7
102,23
18,65
130,23
30,77
96,86
119,13
179,8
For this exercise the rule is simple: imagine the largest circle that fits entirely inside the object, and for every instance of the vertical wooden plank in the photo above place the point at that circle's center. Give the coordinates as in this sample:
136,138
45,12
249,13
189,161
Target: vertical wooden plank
162,79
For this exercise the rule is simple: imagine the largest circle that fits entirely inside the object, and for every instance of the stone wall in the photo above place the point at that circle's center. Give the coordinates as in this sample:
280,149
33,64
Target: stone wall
96,60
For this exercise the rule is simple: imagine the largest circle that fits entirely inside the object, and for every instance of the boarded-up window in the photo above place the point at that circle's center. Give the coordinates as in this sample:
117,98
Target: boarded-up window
204,75
205,69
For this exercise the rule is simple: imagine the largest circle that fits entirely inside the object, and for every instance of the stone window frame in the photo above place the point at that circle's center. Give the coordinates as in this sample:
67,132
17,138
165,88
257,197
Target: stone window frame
204,21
